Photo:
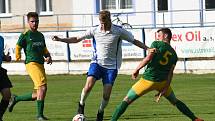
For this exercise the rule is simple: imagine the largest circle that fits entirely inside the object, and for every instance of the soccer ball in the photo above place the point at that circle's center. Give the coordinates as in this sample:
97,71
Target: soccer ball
79,117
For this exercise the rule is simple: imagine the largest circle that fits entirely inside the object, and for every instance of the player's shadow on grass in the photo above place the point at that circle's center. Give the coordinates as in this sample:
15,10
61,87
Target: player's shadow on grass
146,116
137,116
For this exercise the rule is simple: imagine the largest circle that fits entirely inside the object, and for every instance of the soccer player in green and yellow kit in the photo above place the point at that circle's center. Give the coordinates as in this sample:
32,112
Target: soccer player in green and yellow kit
33,43
157,76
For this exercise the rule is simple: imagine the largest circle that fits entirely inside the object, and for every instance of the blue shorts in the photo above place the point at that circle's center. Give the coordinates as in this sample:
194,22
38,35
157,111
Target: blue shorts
108,76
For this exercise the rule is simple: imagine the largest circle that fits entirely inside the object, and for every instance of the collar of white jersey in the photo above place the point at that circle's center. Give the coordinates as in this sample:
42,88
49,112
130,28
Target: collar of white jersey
106,32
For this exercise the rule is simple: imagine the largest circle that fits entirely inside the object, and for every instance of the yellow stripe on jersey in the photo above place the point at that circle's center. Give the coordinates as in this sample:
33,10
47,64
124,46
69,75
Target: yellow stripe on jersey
18,52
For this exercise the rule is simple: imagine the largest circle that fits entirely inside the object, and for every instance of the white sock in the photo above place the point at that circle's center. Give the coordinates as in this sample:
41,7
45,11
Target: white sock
83,97
103,104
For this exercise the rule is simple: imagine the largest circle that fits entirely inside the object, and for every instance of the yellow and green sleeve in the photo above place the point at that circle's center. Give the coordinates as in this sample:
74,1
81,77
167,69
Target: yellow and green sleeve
18,52
46,52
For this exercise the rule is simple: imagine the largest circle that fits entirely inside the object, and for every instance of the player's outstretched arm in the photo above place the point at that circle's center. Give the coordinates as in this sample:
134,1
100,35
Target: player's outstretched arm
66,40
140,44
143,46
143,63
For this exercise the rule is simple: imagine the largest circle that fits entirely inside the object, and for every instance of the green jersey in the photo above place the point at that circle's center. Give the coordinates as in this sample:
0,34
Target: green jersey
34,46
158,68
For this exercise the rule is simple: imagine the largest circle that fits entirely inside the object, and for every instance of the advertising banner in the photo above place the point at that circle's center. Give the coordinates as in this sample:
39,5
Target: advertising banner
189,42
58,50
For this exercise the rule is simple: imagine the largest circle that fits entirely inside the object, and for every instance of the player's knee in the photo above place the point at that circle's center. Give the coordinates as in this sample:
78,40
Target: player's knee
126,99
34,95
6,96
43,88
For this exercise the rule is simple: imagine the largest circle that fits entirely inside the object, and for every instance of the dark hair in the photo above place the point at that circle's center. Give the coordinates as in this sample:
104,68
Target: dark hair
32,14
166,31
104,15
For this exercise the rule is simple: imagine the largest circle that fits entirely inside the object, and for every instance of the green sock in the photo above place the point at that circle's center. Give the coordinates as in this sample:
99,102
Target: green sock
120,109
40,107
26,97
185,110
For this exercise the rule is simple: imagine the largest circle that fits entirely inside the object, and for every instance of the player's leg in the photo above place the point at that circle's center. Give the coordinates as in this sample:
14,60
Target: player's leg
15,99
92,75
40,85
30,96
5,86
37,73
106,96
6,94
41,93
108,78
138,89
180,105
85,93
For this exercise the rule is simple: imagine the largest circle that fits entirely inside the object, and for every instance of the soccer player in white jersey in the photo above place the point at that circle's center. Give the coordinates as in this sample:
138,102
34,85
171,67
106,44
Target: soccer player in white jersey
107,57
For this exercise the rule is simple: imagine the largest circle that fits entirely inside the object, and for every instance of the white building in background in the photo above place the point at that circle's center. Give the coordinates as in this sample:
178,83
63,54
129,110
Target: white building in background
62,15
76,14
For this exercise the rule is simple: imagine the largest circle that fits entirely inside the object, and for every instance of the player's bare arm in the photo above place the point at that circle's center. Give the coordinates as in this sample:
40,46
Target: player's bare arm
140,44
143,63
143,46
169,79
67,40
48,58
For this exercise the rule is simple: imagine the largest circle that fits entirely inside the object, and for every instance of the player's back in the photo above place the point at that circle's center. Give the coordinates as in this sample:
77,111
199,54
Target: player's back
158,68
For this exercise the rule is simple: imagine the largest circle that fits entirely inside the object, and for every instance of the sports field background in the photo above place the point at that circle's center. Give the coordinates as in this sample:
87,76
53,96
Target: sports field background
197,91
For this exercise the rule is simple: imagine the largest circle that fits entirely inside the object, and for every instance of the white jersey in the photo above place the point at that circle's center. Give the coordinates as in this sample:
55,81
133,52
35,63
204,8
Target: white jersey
107,45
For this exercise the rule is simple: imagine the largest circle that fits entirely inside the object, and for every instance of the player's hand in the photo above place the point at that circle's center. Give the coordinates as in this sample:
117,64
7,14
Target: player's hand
55,38
48,60
7,57
18,58
153,50
157,97
135,74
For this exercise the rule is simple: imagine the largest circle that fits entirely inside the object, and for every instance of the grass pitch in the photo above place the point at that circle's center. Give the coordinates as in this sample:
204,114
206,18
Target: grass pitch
197,91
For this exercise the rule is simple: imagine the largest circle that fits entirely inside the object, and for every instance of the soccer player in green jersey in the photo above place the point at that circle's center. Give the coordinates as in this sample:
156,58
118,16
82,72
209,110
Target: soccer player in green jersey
157,76
33,43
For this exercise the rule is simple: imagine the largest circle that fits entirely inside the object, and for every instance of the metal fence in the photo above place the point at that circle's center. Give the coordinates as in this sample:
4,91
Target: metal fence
147,19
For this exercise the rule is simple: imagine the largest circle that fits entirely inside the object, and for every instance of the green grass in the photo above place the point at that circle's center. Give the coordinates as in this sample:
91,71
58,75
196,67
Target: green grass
197,91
